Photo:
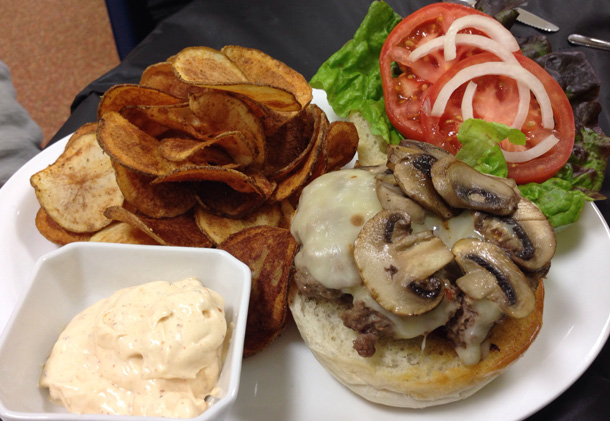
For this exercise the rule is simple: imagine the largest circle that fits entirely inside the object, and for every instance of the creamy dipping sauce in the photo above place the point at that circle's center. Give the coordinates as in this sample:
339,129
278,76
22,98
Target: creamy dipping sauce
155,349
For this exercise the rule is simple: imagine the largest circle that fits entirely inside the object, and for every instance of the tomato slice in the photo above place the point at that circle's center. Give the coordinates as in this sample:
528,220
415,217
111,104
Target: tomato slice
404,84
496,99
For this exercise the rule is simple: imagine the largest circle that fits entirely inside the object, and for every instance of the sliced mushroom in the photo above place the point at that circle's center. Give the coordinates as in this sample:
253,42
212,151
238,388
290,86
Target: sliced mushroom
398,267
489,273
411,169
392,197
461,186
526,235
429,148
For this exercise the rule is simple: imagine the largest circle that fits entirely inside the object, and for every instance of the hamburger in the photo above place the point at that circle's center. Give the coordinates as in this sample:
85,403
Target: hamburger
418,280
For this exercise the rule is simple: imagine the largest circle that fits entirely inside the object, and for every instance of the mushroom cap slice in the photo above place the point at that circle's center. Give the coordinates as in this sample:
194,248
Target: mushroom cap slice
411,167
489,273
392,197
429,148
398,267
527,236
461,186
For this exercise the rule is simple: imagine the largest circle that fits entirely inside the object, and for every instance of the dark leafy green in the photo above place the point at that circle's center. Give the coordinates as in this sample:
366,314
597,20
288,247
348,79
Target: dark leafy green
503,10
535,46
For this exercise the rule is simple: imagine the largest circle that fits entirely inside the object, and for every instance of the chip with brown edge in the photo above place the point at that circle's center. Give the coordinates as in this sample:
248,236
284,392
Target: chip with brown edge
154,200
157,120
132,147
53,232
122,233
312,163
197,152
288,146
222,112
269,252
177,231
261,68
161,76
78,186
219,228
221,199
87,128
123,95
209,68
341,144
237,180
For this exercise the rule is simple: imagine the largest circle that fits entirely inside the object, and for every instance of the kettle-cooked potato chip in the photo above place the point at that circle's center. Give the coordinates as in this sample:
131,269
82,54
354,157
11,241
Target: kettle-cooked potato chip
209,68
161,76
177,231
122,233
131,147
154,200
78,186
266,70
341,144
269,252
219,228
121,96
53,232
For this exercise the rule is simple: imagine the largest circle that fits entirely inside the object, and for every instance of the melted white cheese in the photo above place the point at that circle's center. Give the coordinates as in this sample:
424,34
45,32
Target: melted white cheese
331,213
489,312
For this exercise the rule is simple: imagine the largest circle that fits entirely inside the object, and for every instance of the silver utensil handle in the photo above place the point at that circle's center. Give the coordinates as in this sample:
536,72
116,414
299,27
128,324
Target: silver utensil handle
589,42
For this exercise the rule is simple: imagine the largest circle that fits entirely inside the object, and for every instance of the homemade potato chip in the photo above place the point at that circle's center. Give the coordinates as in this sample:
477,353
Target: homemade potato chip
264,69
154,200
218,228
206,66
76,189
178,231
209,68
197,152
222,200
161,76
290,144
131,147
341,144
311,166
237,180
121,96
53,232
269,252
87,128
224,113
122,233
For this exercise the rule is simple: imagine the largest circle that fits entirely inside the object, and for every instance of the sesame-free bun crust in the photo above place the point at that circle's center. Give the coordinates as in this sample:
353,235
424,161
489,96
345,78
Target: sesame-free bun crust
414,373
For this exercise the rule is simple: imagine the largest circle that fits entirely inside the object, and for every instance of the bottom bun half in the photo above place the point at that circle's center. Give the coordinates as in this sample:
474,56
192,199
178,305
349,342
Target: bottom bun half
414,373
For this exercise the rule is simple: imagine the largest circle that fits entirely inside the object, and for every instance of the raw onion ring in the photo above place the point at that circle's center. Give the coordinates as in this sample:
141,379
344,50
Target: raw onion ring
534,152
486,24
514,71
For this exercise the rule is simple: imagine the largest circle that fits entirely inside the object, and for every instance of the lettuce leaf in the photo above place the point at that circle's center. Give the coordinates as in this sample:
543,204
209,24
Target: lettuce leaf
557,199
480,141
351,76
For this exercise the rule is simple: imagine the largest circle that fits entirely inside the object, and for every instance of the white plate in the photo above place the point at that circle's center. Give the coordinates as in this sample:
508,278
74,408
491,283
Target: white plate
285,382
